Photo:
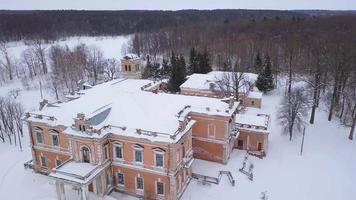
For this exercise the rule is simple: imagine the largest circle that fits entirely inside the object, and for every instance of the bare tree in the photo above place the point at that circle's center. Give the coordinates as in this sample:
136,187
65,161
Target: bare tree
39,51
110,69
5,60
293,111
233,83
95,64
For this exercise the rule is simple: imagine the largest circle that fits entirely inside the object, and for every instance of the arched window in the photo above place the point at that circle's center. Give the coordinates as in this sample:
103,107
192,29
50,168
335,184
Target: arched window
39,135
85,154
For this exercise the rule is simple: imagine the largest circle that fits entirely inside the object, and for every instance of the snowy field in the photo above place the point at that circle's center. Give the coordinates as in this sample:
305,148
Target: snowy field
112,47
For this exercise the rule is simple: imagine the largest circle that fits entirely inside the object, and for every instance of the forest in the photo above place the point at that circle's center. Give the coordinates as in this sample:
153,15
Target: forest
52,25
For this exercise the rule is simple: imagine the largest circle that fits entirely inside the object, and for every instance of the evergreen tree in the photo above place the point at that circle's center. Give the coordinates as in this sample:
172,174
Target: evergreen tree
204,62
268,73
177,75
166,68
148,71
258,64
193,66
265,79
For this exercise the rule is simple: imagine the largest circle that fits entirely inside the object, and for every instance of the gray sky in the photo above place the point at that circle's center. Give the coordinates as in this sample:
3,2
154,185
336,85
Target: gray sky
176,4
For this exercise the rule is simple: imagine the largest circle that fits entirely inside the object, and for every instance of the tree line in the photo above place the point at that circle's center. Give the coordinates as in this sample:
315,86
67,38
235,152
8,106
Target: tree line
52,25
319,51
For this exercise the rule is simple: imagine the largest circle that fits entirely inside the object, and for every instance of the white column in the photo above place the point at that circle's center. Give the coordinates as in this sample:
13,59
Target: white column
60,190
95,189
85,192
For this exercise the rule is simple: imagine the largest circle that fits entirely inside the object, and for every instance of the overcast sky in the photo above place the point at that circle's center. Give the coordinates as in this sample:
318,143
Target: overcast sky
176,4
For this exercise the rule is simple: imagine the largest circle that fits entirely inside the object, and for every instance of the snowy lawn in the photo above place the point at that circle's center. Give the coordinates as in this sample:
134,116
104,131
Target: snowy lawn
325,171
112,47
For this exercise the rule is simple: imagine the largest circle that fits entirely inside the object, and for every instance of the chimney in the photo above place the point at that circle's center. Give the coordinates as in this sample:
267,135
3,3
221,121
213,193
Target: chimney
43,103
231,102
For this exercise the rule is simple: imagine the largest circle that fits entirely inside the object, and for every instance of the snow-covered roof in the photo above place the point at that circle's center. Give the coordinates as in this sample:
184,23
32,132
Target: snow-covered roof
123,103
77,172
255,95
204,81
252,120
131,56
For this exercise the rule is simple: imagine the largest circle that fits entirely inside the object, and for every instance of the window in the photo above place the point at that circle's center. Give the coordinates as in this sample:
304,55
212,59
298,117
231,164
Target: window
211,130
118,151
139,183
159,188
106,151
39,135
43,161
129,67
125,67
183,150
159,159
120,179
138,155
58,162
85,155
259,146
253,103
55,141
108,182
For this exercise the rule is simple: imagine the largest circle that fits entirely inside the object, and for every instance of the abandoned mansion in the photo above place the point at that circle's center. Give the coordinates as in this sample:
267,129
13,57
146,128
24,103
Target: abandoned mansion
130,136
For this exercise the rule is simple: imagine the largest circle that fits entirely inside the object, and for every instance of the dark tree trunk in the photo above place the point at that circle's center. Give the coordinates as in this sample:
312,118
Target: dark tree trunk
351,136
315,97
332,102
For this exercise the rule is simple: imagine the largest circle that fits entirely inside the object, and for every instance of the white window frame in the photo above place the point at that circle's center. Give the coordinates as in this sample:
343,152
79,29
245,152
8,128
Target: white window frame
121,146
81,153
213,127
108,179
157,152
39,131
156,186
59,161
53,133
123,178
137,148
106,151
143,184
45,161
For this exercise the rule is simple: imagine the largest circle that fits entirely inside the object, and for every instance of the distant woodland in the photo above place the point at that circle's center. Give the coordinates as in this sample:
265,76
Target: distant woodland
51,25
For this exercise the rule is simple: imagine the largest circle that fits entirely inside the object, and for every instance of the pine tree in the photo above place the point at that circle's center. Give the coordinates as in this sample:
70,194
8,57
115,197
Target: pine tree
258,64
268,73
265,78
177,76
193,66
148,71
166,68
204,62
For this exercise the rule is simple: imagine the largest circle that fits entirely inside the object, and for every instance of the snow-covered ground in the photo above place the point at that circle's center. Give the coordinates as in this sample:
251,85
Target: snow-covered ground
112,47
326,171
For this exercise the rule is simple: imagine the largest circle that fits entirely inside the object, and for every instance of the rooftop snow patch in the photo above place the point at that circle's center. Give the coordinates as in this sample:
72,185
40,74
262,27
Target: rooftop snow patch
252,120
122,103
206,81
255,95
77,172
